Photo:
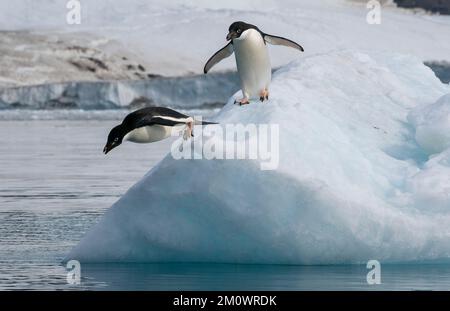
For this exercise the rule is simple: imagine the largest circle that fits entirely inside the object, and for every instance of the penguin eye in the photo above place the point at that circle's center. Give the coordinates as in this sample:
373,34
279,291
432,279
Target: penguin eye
238,31
116,139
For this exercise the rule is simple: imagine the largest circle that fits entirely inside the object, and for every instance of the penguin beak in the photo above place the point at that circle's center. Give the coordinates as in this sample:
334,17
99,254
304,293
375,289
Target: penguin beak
109,147
231,35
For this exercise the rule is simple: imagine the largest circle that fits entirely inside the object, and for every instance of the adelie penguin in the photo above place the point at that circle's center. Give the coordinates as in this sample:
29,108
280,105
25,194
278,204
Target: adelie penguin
248,43
148,125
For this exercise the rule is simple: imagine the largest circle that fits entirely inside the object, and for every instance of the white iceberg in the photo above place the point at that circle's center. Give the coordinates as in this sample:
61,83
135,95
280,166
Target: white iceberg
432,123
352,182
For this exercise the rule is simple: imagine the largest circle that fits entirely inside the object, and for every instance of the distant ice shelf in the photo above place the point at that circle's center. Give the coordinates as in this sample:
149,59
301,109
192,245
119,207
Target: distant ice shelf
190,92
361,176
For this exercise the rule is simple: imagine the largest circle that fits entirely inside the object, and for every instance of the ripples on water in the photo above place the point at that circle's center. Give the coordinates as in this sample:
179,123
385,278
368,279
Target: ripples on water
55,184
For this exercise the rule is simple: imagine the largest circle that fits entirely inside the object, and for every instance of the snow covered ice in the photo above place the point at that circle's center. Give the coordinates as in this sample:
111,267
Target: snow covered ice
176,37
364,173
432,124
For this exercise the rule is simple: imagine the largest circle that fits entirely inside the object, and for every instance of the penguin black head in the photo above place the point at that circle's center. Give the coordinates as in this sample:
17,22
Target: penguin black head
237,28
114,138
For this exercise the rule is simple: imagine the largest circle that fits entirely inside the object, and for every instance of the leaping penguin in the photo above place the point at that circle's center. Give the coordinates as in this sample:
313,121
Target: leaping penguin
148,125
252,58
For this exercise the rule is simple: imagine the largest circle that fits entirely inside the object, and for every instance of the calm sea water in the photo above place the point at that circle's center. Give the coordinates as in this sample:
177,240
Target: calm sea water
56,183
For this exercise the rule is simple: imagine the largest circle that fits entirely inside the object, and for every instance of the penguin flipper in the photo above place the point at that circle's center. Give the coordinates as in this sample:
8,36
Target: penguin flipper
224,52
159,121
275,40
197,122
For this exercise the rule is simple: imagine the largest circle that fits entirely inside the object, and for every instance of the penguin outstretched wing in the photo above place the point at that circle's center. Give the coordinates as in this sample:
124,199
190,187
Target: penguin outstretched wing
224,52
275,40
148,121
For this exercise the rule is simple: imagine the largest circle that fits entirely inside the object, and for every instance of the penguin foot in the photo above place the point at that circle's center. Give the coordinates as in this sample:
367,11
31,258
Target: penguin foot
243,101
264,95
189,131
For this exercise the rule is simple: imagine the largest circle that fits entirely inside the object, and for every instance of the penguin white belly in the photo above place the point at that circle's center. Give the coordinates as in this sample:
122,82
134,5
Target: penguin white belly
253,63
148,134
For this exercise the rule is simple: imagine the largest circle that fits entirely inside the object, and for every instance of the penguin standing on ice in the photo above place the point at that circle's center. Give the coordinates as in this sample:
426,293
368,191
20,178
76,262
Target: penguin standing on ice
252,58
148,125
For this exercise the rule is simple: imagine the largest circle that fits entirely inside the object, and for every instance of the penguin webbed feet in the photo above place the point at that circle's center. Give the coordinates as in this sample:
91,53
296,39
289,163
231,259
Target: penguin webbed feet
189,131
243,101
264,95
